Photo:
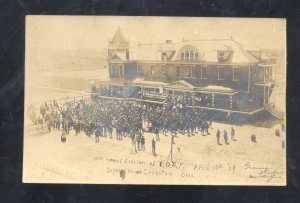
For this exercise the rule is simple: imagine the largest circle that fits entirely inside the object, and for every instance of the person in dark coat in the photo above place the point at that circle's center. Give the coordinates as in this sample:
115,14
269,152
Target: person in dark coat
253,138
63,137
218,135
226,137
143,143
202,129
233,134
97,134
207,127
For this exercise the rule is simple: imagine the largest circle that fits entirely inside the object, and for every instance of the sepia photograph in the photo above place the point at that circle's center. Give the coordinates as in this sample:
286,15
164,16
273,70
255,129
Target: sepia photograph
155,100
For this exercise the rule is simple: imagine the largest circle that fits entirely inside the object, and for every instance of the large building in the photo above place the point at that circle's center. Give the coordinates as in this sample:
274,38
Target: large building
219,75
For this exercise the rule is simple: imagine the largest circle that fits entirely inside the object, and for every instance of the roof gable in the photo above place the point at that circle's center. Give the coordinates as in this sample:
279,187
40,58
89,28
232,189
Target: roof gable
181,84
119,38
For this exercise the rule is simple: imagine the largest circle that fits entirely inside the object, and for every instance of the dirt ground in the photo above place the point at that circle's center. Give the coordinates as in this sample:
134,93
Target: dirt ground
198,159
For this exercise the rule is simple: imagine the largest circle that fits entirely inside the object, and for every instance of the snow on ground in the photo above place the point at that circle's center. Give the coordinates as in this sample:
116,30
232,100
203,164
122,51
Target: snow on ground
199,161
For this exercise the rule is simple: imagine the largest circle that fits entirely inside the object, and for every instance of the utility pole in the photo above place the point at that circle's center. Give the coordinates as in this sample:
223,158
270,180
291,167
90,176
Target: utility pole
171,150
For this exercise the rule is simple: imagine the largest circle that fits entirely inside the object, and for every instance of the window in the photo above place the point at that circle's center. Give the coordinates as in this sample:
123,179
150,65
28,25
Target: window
121,70
187,55
221,73
163,71
196,56
178,71
187,71
152,70
221,57
203,72
192,56
235,74
112,70
182,56
140,70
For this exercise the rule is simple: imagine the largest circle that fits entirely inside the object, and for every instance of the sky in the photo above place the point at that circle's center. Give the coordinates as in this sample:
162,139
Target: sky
60,41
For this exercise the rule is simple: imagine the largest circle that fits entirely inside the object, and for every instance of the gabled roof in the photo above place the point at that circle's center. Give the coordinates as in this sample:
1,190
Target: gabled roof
118,55
145,52
142,81
208,50
119,38
181,83
211,47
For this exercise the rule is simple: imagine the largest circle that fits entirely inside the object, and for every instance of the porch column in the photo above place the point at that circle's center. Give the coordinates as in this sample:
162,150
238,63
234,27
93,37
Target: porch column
264,71
111,90
213,100
230,102
264,95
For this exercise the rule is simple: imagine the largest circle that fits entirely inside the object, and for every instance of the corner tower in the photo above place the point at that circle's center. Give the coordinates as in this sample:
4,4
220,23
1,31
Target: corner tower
118,45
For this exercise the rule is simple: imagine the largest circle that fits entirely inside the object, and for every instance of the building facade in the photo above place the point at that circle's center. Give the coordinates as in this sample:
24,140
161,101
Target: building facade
221,75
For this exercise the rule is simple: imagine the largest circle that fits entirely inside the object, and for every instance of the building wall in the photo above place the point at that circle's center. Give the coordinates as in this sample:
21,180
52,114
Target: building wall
235,77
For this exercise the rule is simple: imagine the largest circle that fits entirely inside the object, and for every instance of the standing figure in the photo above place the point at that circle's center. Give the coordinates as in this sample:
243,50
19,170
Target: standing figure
138,140
173,139
133,142
253,138
157,133
233,134
207,127
202,129
143,143
210,124
153,147
226,137
218,135
97,134
110,129
63,138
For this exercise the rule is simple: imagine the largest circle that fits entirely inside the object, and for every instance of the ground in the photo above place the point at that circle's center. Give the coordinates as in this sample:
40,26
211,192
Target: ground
196,160
199,161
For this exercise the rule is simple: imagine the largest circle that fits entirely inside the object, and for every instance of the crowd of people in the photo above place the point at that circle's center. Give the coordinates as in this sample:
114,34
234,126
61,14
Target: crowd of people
185,99
122,118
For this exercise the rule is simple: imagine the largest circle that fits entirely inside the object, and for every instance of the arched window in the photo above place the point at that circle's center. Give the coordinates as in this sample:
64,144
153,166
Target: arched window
187,55
191,56
196,56
182,56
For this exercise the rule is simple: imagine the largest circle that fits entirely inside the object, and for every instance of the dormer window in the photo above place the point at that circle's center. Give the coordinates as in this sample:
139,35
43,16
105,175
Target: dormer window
187,55
196,56
163,56
221,56
191,56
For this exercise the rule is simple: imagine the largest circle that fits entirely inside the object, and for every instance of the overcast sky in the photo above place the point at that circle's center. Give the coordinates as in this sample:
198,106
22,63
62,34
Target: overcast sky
49,37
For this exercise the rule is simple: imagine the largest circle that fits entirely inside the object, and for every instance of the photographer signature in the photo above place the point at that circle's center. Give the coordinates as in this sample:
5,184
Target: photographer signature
261,172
